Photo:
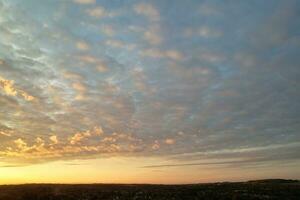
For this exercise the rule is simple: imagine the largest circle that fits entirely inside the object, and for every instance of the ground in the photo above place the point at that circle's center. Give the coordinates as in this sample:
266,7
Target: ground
266,189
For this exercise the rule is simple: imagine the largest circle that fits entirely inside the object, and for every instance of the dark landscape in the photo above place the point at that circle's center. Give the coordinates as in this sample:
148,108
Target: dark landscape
261,189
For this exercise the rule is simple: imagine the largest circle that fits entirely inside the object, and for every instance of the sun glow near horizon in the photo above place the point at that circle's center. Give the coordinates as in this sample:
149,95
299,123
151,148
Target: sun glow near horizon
133,170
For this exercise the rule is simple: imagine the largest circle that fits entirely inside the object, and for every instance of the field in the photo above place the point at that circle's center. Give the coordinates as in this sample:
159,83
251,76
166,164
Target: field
267,189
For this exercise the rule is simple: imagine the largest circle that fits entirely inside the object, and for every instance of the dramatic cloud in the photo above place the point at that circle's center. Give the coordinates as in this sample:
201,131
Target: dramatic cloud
193,83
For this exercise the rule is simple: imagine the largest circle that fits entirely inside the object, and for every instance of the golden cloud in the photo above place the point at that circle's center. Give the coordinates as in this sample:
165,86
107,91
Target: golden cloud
53,139
9,89
74,146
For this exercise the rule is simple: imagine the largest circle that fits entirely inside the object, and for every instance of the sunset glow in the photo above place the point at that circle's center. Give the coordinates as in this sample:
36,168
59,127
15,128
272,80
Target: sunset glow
95,91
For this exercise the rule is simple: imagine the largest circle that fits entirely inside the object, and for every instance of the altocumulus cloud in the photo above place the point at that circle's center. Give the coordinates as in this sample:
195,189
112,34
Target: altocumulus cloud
192,82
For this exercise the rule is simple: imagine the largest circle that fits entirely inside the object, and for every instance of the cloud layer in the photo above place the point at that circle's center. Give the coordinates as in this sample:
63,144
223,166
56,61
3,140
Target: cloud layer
191,82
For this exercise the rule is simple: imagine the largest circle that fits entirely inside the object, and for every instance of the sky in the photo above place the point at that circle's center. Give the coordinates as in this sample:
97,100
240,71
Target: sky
160,91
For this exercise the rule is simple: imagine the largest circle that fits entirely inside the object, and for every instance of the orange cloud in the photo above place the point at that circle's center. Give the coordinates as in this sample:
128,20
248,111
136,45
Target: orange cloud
71,75
21,144
26,96
120,44
152,35
102,68
88,59
78,144
157,53
6,133
170,141
53,139
156,145
108,30
85,1
78,137
79,87
10,90
173,54
100,12
97,12
8,87
147,10
83,46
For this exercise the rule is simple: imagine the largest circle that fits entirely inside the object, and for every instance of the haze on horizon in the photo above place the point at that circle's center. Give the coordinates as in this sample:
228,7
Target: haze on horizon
153,91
